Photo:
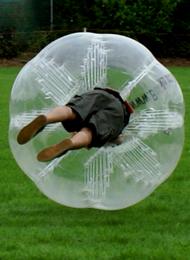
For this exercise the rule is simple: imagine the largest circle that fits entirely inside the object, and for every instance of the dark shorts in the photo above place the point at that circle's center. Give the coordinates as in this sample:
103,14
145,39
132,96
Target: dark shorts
104,113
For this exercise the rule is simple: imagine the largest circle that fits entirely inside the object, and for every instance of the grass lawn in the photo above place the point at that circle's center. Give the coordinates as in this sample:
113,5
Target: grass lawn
36,228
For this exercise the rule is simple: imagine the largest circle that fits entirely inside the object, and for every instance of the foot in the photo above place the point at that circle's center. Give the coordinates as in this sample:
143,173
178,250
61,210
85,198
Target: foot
32,129
55,151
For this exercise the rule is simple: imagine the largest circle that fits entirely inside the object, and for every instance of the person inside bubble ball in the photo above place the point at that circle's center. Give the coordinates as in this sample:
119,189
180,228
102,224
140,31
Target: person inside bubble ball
93,119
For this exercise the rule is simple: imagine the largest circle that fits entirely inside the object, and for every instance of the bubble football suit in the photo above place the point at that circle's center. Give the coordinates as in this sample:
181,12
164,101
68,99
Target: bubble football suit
110,177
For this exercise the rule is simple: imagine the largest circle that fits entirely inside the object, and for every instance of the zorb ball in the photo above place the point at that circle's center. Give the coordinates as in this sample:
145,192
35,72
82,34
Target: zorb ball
113,176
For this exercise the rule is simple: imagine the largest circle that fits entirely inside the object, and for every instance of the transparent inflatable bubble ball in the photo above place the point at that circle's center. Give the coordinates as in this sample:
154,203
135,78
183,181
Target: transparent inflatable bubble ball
113,176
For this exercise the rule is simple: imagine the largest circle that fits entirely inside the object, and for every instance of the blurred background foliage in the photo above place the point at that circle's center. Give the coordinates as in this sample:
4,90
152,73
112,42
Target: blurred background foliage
163,26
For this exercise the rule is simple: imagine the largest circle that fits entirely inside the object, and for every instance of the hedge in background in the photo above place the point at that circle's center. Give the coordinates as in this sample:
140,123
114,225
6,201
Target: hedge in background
162,26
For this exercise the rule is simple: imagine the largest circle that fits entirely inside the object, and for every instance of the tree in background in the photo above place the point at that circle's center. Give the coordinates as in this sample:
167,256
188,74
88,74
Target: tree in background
181,17
154,23
137,16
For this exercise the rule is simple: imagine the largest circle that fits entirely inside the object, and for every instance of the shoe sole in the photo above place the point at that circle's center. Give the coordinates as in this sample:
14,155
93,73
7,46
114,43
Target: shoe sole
54,151
30,130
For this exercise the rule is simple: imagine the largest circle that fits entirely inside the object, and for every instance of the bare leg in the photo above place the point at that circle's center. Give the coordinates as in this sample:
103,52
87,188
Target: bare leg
59,114
81,139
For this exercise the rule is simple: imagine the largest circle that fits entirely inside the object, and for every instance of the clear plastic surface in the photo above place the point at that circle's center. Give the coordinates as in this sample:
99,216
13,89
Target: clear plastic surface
111,177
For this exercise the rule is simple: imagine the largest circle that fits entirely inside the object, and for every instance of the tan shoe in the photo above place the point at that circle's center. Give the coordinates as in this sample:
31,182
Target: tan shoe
32,129
55,151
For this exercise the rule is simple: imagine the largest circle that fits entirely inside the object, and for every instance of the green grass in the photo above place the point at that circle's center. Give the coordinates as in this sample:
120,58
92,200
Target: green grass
36,228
